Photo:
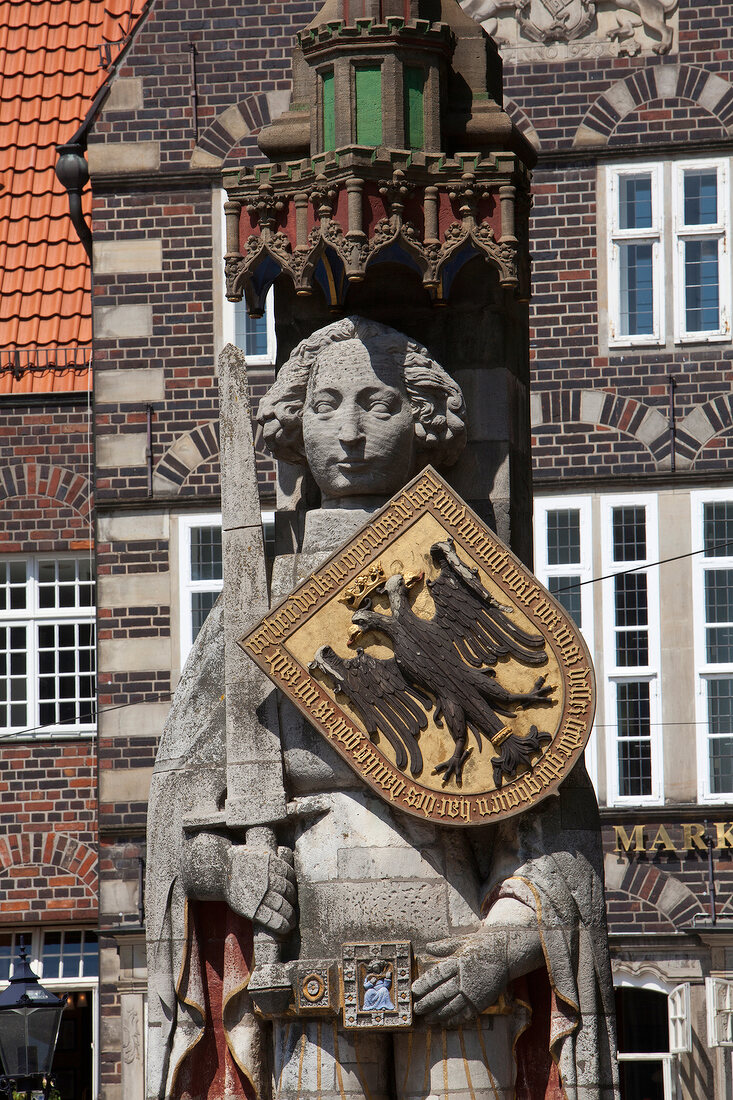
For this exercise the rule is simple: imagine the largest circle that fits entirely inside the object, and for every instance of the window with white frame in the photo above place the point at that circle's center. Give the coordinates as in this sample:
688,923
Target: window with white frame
680,1020
636,254
631,649
47,645
563,555
201,573
656,246
645,1060
255,336
719,997
713,534
201,569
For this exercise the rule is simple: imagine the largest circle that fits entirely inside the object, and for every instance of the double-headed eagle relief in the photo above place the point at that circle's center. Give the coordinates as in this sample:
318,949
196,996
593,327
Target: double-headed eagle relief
434,662
444,663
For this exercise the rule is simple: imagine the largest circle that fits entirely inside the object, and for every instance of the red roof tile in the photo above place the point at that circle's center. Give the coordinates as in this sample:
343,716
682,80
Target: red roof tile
50,71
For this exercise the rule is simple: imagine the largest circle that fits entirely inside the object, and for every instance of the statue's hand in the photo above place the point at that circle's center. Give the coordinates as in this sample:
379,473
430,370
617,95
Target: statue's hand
262,887
480,965
462,986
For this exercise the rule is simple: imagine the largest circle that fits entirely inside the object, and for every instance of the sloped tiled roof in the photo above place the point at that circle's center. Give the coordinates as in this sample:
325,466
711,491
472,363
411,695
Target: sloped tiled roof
51,68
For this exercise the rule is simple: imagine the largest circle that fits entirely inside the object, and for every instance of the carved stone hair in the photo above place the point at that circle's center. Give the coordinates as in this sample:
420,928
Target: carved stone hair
437,402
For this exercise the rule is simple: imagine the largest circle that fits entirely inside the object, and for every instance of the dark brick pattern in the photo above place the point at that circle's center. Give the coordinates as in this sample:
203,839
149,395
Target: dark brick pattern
48,835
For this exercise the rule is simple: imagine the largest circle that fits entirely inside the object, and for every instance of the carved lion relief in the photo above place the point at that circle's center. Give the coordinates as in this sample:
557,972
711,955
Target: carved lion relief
562,29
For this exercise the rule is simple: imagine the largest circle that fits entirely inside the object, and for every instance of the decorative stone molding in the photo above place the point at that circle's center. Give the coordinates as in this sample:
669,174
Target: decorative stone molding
648,885
523,123
705,90
606,410
543,30
325,221
704,423
235,123
43,480
647,425
188,452
63,853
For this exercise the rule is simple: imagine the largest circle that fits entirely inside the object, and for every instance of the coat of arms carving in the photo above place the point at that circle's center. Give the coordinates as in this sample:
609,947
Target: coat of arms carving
578,28
555,20
434,662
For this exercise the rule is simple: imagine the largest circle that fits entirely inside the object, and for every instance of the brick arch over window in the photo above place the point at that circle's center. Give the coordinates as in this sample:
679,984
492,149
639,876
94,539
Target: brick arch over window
705,423
57,851
37,479
606,410
235,123
704,90
643,886
188,452
522,122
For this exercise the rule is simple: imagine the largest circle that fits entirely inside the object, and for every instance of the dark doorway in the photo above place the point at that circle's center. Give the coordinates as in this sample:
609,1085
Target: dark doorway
643,1030
72,1064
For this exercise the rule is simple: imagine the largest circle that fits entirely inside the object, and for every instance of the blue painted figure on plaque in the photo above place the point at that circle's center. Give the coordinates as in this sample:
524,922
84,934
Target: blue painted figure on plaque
377,985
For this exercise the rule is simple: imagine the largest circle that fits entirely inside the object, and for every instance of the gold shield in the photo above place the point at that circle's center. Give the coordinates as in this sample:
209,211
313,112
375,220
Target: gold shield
394,696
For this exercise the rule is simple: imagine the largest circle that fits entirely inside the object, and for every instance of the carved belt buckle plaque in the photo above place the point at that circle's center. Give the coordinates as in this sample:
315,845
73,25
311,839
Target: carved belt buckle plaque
377,985
434,663
314,989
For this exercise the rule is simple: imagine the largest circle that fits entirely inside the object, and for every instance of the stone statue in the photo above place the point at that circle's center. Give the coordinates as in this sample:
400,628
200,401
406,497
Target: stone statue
506,922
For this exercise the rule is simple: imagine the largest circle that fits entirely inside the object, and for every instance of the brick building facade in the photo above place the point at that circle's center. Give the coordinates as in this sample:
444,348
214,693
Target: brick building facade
630,110
641,96
50,59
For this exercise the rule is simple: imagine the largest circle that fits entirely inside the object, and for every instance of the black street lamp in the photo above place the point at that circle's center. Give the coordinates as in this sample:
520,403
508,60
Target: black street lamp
30,1017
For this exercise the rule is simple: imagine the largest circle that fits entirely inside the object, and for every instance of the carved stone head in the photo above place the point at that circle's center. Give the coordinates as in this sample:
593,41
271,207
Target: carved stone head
364,407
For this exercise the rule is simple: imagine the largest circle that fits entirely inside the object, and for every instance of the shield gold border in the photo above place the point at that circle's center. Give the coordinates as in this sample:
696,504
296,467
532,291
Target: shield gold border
429,494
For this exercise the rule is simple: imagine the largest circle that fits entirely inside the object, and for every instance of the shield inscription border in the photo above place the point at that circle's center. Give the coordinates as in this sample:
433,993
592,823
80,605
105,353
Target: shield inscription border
318,613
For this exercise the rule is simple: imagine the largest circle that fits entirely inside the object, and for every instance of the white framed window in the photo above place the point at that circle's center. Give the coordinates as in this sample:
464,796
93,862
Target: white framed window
712,520
646,1064
680,1022
200,572
667,243
47,646
563,555
635,204
631,646
701,263
201,569
68,954
255,336
719,1000
67,961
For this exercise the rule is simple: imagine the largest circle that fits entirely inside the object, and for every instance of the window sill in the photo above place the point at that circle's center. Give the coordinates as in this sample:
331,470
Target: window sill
75,734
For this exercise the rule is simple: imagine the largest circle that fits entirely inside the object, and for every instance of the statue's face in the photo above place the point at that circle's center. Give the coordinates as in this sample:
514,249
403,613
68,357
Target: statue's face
358,428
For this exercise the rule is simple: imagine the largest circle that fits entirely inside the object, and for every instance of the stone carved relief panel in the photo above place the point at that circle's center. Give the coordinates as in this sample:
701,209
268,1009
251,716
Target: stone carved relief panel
560,30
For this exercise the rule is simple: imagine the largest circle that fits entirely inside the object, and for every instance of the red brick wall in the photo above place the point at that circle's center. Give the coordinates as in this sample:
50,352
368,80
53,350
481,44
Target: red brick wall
48,832
48,807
